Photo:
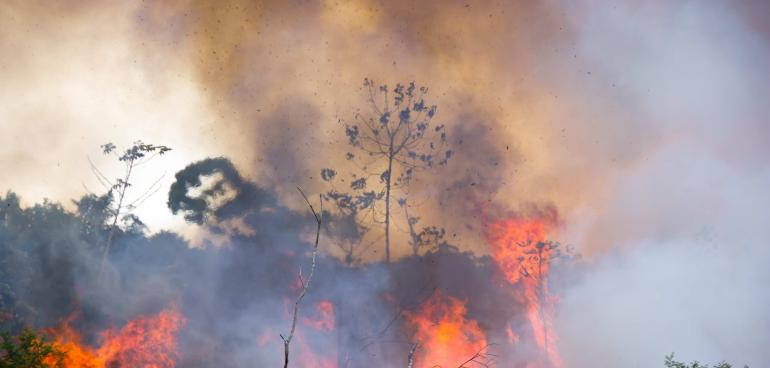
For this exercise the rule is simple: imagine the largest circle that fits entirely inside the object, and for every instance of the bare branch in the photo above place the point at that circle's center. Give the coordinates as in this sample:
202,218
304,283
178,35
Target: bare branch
152,189
100,176
410,357
305,284
482,358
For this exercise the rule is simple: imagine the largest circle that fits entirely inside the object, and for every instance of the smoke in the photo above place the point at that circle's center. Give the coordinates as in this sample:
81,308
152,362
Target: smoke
643,125
674,223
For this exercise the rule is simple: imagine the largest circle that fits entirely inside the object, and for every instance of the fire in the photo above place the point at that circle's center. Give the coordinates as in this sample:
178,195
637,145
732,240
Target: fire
324,317
321,322
146,342
446,338
521,250
308,358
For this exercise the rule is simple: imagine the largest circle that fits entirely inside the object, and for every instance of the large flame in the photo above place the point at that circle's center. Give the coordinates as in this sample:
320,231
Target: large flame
445,336
520,248
145,342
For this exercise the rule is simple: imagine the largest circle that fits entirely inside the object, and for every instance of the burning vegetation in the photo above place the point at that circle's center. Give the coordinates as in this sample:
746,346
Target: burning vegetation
443,333
225,306
442,220
521,249
142,342
156,301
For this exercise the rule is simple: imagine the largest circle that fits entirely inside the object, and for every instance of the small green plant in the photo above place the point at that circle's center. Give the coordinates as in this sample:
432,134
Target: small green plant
28,350
671,363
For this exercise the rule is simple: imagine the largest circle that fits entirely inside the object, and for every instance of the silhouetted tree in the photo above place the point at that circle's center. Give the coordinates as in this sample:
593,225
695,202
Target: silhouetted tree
137,154
346,225
393,135
429,237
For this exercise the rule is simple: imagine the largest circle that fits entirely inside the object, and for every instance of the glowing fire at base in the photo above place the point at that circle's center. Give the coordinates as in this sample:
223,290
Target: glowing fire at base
445,336
145,342
520,249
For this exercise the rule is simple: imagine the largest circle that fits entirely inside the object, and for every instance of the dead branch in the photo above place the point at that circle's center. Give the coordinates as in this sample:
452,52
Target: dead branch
305,283
482,358
410,358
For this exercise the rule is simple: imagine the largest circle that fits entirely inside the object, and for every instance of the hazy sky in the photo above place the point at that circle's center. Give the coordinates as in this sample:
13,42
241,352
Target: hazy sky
645,124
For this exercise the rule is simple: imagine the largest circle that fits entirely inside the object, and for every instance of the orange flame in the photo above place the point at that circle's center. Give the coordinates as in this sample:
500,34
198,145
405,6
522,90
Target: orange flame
146,342
520,249
445,336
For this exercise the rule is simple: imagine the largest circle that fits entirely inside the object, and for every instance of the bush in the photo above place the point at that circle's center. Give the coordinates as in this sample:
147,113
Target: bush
28,350
671,363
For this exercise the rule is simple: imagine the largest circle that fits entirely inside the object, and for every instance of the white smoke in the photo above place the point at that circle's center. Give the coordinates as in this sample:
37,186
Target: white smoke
685,215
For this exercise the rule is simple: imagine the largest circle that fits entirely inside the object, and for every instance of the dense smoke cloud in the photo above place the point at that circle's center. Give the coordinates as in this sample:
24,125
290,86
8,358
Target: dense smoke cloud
643,125
682,208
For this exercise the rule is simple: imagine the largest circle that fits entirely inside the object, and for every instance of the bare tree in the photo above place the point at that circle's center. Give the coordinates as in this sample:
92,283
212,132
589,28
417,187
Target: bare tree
138,154
305,284
394,135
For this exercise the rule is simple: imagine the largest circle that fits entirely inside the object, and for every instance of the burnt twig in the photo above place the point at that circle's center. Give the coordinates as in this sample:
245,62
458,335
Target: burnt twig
482,358
410,357
305,283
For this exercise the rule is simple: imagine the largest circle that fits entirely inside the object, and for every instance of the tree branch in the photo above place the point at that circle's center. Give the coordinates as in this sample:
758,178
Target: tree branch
410,357
305,284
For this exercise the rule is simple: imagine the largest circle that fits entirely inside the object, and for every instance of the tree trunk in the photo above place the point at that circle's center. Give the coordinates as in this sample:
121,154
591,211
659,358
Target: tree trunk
387,202
122,195
542,295
410,357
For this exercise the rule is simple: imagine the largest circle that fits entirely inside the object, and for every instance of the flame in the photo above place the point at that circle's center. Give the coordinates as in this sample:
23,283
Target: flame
146,342
308,358
513,337
321,322
445,336
324,317
521,251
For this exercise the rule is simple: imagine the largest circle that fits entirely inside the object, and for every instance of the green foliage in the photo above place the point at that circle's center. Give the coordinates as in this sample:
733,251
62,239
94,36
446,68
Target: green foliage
671,363
47,252
28,350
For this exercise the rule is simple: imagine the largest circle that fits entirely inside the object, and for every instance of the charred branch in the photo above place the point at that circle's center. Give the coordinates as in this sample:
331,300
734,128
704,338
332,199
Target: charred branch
305,283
